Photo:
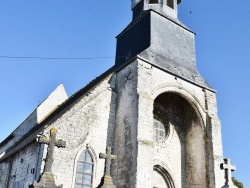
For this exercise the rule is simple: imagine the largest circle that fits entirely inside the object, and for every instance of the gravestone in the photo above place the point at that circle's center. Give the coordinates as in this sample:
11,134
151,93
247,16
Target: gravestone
47,179
107,179
228,173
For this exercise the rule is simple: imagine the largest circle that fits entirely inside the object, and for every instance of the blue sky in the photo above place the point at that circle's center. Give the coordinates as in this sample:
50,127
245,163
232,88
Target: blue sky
81,28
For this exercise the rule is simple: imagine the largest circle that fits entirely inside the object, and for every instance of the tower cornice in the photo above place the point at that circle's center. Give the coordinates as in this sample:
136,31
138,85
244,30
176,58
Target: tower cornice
177,22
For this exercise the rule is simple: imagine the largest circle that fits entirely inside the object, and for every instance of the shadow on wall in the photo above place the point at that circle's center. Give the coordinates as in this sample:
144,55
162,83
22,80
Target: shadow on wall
174,109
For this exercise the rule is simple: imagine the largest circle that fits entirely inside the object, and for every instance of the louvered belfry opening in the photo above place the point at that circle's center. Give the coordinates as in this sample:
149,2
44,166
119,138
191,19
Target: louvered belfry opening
170,3
153,1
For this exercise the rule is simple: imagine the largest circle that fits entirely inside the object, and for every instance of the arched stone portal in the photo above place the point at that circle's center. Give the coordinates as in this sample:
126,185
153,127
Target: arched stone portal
183,143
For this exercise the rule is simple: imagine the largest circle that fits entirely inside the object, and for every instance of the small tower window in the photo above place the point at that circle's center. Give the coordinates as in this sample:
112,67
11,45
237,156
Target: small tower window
170,3
84,170
160,132
161,124
153,1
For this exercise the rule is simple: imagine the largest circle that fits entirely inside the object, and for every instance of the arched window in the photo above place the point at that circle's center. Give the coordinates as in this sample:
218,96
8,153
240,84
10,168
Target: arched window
161,178
84,170
160,132
161,123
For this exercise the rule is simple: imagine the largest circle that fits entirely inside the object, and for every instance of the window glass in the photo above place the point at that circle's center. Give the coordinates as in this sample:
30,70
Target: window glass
84,170
160,132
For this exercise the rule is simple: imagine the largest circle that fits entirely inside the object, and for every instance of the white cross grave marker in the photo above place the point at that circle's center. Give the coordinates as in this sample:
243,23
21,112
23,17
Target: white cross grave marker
228,172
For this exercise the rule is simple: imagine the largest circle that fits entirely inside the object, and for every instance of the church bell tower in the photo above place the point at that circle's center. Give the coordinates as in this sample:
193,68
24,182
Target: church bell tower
165,7
168,134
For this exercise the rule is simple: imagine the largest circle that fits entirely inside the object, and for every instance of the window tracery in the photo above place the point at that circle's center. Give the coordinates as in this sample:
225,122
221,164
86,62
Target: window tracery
84,170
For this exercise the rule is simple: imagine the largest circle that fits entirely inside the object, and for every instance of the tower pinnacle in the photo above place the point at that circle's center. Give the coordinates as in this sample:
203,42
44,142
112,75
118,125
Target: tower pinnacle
165,7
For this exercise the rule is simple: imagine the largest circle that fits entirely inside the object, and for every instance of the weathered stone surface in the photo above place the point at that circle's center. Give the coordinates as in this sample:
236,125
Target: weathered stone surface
191,155
47,181
126,127
119,111
108,157
107,182
51,142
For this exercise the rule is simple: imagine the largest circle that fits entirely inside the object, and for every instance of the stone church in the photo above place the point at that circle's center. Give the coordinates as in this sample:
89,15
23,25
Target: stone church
150,121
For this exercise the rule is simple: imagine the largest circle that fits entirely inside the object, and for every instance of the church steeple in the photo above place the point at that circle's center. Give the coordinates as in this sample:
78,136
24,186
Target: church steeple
165,109
165,7
158,37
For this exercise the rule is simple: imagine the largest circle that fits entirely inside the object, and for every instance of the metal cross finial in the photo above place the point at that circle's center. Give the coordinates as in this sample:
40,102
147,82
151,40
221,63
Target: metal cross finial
108,158
228,171
51,142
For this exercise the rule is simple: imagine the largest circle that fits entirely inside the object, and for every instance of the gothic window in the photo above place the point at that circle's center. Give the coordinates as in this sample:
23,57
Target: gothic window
152,1
170,3
84,170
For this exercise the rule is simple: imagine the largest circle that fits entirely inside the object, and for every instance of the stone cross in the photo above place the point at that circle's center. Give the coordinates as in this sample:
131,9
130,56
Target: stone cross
228,172
47,179
108,158
51,142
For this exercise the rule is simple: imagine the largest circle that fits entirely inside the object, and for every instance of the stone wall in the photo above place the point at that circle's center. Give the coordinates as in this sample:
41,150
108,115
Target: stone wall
126,127
135,126
153,82
215,140
20,168
89,122
118,112
3,174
